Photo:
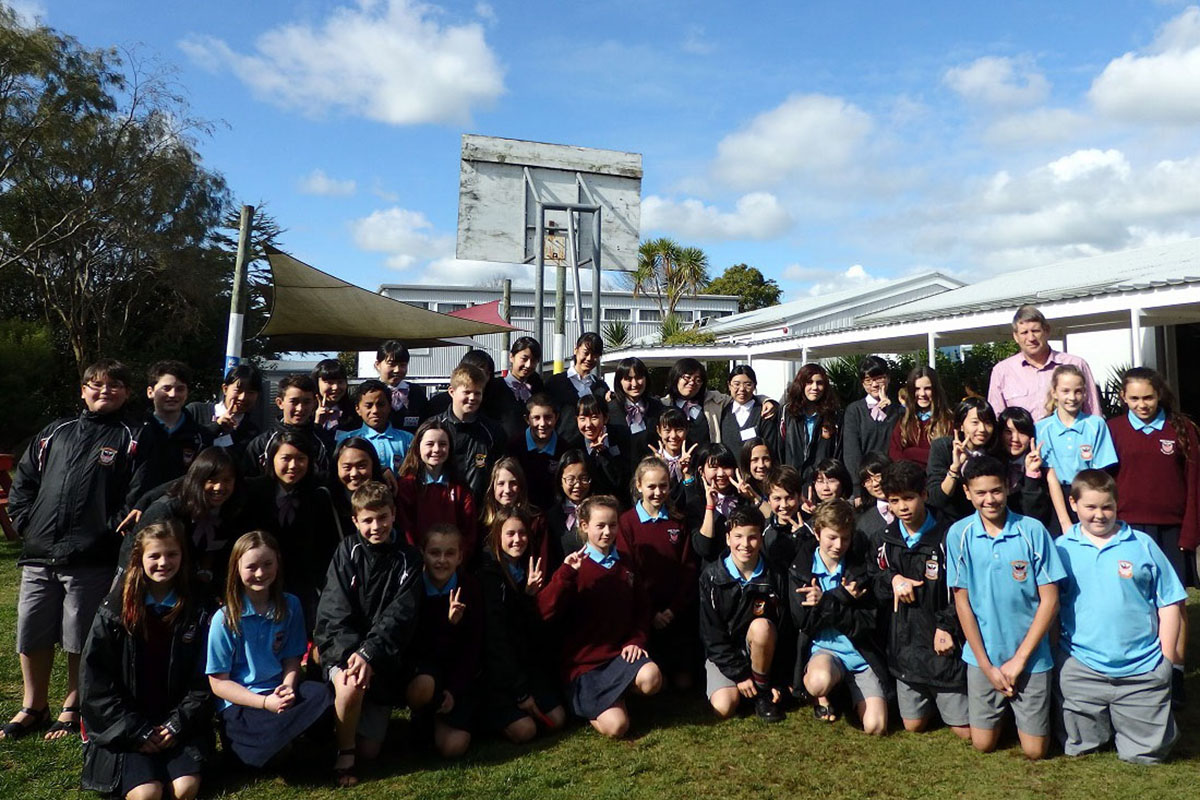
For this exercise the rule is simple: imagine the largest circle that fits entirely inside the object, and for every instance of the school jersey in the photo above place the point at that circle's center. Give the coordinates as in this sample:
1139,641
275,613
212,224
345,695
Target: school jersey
660,550
254,658
1068,449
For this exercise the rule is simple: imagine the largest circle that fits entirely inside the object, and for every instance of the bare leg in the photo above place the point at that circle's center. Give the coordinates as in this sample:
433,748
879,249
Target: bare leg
612,722
35,680
72,698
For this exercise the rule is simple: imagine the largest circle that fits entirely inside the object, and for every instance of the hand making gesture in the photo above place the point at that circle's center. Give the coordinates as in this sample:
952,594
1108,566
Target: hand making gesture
457,606
534,579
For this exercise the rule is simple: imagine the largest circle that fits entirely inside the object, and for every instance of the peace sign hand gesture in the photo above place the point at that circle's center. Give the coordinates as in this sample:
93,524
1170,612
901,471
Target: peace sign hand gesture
685,461
457,606
959,452
575,560
1033,460
743,486
534,578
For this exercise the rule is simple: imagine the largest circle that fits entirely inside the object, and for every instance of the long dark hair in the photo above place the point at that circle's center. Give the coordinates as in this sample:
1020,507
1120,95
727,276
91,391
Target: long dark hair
1166,403
363,446
798,406
625,368
982,410
686,366
211,461
302,442
940,421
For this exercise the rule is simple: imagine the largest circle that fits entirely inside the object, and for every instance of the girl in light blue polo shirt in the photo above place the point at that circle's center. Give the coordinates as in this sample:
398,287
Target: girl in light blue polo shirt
1070,439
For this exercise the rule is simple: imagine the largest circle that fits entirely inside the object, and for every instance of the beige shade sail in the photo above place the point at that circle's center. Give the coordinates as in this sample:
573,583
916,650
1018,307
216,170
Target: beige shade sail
314,311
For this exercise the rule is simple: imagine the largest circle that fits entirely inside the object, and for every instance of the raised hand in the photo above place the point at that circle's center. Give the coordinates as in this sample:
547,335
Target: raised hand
575,560
534,579
958,455
130,522
743,486
769,409
812,593
1033,459
685,460
902,591
457,606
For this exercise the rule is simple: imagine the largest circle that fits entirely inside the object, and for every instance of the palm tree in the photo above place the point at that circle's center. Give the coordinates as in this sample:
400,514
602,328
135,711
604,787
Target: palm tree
669,272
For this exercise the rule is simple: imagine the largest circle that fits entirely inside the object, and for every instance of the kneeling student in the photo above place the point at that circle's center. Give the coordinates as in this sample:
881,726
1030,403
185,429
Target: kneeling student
1122,606
1004,569
740,614
365,624
834,610
923,636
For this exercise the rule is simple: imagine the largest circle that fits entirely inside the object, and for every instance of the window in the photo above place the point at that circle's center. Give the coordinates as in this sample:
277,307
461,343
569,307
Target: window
446,308
683,316
521,312
419,351
416,304
649,315
614,314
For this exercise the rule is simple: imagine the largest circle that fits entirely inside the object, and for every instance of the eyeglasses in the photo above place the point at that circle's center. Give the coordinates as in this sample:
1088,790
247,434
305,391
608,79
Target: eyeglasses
111,387
573,481
689,379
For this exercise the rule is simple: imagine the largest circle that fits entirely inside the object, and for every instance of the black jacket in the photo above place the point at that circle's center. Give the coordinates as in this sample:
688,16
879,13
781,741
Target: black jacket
609,467
410,417
166,455
726,610
566,397
108,688
246,430
477,445
206,556
369,605
71,488
735,436
780,542
910,632
695,505
517,660
790,443
1029,497
254,458
950,507
836,609
862,435
640,442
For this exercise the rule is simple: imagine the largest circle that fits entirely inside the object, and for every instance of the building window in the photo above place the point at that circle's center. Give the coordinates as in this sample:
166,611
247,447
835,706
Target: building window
615,314
416,304
446,308
521,312
419,351
649,315
683,316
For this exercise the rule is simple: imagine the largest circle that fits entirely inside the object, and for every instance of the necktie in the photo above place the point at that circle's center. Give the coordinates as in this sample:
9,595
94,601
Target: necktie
399,397
878,414
569,507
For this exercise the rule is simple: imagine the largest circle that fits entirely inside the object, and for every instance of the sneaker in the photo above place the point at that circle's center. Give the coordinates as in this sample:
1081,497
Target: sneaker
1178,690
766,708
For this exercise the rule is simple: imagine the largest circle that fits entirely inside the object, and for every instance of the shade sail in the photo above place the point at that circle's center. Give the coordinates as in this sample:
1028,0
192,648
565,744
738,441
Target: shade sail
314,311
488,313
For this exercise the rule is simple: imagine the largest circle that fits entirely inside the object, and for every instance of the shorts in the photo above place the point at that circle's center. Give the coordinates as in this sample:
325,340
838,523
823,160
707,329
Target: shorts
1030,703
1134,712
596,691
139,768
57,605
917,701
862,684
715,680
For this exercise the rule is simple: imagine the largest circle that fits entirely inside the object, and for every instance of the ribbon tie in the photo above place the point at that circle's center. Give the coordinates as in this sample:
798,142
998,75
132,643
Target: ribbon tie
520,390
725,504
399,397
691,408
569,507
634,414
673,467
885,511
878,414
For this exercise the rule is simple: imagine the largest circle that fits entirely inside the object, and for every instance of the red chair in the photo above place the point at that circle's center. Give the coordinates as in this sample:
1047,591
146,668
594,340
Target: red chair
6,465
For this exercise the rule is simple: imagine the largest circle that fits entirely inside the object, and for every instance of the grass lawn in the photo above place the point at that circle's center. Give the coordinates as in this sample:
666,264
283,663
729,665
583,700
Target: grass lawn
676,751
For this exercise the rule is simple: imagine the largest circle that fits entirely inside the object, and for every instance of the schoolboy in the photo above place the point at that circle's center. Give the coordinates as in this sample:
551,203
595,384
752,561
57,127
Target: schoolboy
923,636
171,438
372,402
297,403
1004,569
1122,606
537,450
606,447
476,441
741,610
67,498
366,620
407,400
448,643
786,527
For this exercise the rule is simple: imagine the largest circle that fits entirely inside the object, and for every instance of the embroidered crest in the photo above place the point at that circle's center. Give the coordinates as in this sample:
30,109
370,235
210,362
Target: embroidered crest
1085,452
673,535
189,455
1020,570
1125,569
480,460
1167,446
107,456
931,569
277,645
881,556
826,431
759,607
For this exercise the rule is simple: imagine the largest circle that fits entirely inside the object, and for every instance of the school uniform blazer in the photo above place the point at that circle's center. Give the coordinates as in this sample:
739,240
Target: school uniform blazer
1029,497
566,397
609,467
502,405
455,650
307,544
414,412
735,436
726,610
231,523
205,415
163,455
869,522
949,507
640,442
108,687
911,628
706,548
864,435
836,609
561,540
791,444
517,655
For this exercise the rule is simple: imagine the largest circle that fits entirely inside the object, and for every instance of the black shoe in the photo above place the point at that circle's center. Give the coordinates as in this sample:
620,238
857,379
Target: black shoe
766,708
1178,690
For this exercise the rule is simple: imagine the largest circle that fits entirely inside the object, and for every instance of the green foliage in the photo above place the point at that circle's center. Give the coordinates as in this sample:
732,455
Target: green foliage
26,350
675,331
668,272
1110,391
615,334
349,361
753,290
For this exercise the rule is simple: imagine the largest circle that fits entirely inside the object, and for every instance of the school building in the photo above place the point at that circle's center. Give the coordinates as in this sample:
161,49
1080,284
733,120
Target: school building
1136,307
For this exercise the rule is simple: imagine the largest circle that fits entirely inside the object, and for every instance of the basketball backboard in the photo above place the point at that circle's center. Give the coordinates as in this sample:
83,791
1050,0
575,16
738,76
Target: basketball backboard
503,180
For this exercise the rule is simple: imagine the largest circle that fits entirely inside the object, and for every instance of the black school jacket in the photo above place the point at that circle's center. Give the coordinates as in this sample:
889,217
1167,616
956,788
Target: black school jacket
410,417
910,632
477,445
108,686
254,458
836,609
790,443
307,544
70,490
369,605
166,455
517,659
726,610
246,430
640,442
735,436
609,466
566,397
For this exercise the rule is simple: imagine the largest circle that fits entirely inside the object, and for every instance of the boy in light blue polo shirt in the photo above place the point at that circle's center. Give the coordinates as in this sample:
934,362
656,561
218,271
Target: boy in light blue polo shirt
372,401
1122,607
1004,567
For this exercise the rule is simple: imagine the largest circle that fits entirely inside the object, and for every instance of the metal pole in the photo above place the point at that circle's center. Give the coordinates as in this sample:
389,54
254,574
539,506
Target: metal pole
239,298
572,243
539,276
932,349
596,271
1135,336
560,319
506,311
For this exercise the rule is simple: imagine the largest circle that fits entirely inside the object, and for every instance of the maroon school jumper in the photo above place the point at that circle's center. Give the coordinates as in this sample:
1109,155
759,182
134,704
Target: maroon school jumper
661,552
599,610
917,451
454,651
419,506
1156,485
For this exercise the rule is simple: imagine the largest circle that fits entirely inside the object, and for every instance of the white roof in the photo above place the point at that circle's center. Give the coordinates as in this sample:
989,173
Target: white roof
1129,270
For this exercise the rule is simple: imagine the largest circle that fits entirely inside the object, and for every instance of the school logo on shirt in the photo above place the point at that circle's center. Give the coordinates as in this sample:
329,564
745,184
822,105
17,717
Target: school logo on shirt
881,557
1125,569
931,569
673,535
480,460
1020,571
107,456
759,607
1085,452
1167,446
277,645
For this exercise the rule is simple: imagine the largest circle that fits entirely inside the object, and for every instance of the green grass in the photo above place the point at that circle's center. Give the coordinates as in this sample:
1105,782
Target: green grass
676,751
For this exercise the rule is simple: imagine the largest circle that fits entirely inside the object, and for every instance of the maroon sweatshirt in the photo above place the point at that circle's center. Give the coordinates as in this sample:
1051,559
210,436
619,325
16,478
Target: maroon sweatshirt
661,552
1156,485
599,611
422,505
454,650
917,451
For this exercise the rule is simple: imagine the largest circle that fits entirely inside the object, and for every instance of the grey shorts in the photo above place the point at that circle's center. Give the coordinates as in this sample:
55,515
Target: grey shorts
1134,712
373,719
1030,703
56,605
715,680
862,684
918,700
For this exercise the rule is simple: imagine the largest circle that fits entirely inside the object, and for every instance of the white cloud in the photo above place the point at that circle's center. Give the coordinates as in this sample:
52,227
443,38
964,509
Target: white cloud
695,42
318,183
1161,84
758,215
824,280
29,12
811,135
998,82
392,62
486,13
1041,125
406,237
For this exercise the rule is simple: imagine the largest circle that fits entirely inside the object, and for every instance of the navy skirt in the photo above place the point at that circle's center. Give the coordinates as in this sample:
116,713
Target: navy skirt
594,692
255,734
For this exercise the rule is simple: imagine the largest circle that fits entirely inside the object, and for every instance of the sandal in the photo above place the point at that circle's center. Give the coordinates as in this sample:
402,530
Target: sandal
345,777
68,727
824,713
15,730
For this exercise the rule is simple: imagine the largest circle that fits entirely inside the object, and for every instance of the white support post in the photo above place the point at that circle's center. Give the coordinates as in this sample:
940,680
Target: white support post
932,345
804,355
1135,336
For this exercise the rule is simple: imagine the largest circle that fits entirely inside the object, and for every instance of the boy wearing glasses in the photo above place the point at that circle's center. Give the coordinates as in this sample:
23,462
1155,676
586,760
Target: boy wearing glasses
67,500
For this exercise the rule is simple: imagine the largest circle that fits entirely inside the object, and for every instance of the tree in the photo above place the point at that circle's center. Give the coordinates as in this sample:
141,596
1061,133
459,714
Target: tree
668,272
748,284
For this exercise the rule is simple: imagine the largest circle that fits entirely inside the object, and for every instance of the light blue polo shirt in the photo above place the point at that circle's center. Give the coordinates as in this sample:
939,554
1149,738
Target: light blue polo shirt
606,561
549,448
831,639
911,539
1085,444
1002,575
255,658
732,568
1111,598
433,591
644,515
391,445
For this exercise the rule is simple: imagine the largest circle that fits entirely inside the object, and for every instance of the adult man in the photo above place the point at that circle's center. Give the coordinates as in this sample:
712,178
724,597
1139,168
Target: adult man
1024,379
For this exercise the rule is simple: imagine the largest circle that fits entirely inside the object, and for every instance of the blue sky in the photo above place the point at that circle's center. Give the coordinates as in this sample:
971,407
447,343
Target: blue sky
828,144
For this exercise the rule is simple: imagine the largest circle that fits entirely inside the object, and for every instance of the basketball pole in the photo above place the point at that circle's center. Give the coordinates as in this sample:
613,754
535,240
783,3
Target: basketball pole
239,298
560,318
596,272
539,274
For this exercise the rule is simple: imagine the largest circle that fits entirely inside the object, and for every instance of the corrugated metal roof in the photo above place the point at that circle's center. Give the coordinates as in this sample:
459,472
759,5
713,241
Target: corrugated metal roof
1129,270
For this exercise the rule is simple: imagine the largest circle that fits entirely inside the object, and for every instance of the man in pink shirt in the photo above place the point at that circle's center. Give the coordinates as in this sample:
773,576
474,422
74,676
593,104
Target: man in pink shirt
1024,379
